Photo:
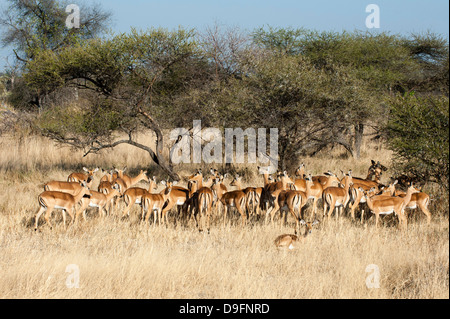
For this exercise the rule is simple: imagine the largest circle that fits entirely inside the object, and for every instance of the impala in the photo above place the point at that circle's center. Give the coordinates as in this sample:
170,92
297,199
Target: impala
131,181
179,197
273,190
291,242
79,177
201,200
49,200
109,176
337,197
252,195
290,201
134,195
237,199
376,169
99,200
364,182
358,196
155,202
420,200
391,205
72,188
314,190
106,187
218,189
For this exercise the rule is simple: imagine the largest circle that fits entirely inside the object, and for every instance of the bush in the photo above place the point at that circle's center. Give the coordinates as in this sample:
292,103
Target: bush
417,131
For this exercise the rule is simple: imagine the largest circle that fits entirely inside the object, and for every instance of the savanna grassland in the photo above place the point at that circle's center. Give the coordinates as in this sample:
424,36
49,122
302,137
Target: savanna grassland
128,259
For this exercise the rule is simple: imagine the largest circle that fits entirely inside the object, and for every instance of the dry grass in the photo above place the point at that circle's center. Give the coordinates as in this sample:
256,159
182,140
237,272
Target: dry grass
126,259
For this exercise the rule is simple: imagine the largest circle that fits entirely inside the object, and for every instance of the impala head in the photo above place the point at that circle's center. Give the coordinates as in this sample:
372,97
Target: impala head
371,192
214,172
196,176
333,179
300,172
391,188
348,179
143,175
309,181
153,184
376,169
309,225
236,180
169,186
118,186
91,171
120,171
413,189
284,177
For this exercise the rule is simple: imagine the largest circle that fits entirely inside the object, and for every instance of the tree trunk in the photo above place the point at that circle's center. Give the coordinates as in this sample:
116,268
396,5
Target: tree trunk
359,131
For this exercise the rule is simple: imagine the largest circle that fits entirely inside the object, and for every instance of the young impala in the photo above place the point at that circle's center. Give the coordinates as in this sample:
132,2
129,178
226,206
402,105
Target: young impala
291,242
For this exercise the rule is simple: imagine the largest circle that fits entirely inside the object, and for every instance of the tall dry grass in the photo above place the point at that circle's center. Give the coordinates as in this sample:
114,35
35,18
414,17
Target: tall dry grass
127,259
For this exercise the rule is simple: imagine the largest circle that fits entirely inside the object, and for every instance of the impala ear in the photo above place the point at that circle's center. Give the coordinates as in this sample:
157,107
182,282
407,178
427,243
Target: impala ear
164,182
85,169
315,222
174,183
396,182
302,222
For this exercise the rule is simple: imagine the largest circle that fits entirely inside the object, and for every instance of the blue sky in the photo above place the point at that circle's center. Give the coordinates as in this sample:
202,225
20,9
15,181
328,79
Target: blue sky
396,16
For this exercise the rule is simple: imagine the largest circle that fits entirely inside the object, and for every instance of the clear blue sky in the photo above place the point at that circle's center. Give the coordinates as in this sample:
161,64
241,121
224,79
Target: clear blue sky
396,16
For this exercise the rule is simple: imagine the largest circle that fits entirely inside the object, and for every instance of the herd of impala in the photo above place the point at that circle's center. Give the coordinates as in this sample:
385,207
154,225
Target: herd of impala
281,194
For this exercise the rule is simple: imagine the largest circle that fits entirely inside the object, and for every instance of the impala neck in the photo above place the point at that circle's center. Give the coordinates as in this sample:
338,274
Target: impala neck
237,184
408,196
83,192
330,181
111,194
137,179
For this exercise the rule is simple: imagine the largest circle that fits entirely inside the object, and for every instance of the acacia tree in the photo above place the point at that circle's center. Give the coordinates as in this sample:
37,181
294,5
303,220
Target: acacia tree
308,105
124,80
30,27
382,61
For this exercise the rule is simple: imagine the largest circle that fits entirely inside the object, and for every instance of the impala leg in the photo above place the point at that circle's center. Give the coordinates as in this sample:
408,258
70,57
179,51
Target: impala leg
126,211
331,210
425,210
225,214
71,214
38,215
47,216
64,218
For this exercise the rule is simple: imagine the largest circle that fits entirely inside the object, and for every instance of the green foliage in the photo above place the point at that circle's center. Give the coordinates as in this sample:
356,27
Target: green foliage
418,132
34,26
